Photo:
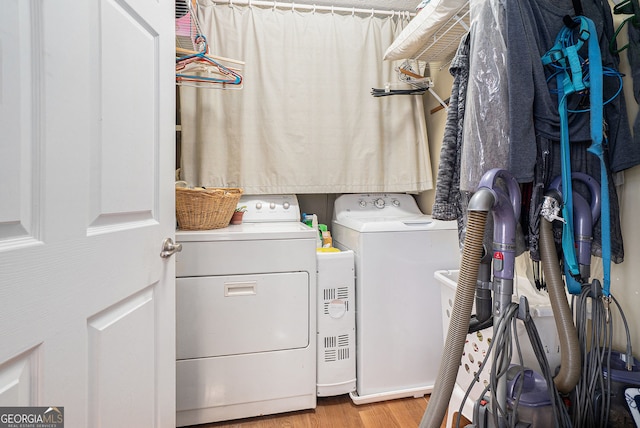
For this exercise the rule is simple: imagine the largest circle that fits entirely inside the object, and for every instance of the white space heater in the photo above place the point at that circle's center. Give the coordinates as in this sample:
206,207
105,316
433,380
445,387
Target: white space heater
336,372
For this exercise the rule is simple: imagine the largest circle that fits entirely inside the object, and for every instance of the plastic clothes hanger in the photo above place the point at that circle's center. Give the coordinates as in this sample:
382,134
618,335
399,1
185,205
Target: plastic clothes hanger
199,68
627,7
419,83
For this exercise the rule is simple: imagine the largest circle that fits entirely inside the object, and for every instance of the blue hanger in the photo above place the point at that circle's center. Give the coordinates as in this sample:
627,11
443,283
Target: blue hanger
233,78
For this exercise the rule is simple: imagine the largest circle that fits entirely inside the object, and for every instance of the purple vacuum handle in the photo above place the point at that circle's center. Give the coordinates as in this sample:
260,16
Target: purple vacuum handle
592,185
504,237
489,178
582,228
506,211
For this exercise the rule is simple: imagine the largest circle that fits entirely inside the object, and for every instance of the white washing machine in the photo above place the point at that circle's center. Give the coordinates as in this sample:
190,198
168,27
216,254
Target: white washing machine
397,250
246,315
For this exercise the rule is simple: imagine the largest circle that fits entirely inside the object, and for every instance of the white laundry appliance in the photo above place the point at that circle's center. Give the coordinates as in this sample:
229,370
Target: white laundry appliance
246,315
397,250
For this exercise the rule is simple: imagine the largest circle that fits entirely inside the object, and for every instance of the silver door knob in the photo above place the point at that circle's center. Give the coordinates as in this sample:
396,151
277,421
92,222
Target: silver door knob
169,248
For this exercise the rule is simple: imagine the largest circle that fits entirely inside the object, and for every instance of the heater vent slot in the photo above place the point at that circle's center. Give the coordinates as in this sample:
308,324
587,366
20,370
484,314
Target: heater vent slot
343,354
330,342
329,293
330,355
343,293
343,340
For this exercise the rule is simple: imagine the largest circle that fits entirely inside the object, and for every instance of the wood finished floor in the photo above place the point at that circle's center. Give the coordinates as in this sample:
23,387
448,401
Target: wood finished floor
340,412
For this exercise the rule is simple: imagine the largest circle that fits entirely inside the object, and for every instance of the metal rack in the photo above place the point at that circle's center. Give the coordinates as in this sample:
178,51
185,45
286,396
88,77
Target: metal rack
441,46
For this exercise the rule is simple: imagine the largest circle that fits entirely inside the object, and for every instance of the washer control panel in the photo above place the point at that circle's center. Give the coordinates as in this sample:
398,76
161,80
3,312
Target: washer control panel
376,205
381,201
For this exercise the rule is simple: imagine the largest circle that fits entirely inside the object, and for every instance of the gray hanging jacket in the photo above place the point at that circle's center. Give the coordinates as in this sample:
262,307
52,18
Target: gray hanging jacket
446,205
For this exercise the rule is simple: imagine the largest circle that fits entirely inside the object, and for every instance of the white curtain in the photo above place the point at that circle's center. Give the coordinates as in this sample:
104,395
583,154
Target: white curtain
305,120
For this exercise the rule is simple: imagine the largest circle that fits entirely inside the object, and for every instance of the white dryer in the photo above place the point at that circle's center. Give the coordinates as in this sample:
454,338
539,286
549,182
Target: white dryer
246,315
397,250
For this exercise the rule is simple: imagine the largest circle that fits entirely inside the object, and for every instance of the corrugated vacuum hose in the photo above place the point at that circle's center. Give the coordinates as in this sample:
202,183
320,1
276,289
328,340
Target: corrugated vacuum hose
570,363
459,324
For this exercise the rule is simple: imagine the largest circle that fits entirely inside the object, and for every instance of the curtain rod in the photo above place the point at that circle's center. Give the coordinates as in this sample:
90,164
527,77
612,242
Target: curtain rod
313,7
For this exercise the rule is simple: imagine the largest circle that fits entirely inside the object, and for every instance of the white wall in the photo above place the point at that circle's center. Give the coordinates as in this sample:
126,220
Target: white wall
625,277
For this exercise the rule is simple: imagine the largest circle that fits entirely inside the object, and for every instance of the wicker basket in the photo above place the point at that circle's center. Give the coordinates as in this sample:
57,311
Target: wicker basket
205,208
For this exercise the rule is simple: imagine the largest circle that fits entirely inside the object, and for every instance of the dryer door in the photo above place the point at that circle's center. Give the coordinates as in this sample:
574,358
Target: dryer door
240,314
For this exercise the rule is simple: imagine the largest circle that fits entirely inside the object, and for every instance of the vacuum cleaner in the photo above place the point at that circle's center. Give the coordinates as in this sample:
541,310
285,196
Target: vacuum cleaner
499,193
517,395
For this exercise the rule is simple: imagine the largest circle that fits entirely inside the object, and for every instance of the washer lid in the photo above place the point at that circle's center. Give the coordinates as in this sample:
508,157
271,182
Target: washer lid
406,224
384,212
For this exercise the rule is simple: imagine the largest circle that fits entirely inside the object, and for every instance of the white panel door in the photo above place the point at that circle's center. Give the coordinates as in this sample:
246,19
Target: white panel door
87,305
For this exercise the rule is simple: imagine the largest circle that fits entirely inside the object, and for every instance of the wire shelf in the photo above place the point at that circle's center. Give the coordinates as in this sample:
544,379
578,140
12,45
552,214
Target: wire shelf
187,26
443,44
195,66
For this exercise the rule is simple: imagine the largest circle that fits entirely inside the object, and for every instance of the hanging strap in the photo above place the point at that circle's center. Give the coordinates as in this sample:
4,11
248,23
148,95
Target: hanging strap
597,148
564,55
577,7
